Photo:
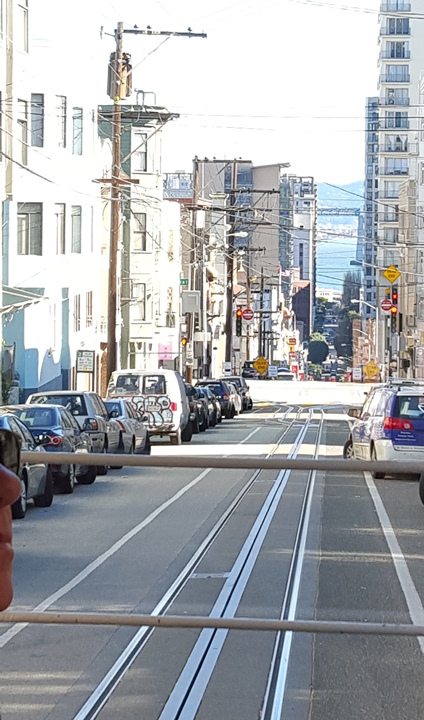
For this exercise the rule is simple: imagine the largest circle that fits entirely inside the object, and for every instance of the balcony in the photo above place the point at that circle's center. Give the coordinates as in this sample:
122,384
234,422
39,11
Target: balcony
395,6
386,78
393,171
395,102
401,147
389,55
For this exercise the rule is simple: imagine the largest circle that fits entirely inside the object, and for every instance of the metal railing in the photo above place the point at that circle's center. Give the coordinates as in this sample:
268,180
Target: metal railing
235,623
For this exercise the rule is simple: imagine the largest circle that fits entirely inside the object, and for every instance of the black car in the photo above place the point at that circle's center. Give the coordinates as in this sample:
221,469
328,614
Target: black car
243,388
196,408
208,407
222,392
216,415
36,478
248,370
58,431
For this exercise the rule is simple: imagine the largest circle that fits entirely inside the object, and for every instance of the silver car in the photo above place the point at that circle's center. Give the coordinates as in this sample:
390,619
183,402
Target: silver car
133,437
91,415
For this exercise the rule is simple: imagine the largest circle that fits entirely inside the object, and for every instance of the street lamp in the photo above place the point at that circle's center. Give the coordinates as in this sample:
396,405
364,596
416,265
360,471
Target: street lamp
373,307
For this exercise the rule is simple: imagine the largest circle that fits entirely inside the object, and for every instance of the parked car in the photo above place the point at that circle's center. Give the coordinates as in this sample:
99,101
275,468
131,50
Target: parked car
196,408
248,371
390,424
216,416
36,478
208,407
235,398
243,389
58,431
222,392
134,437
284,373
161,396
91,415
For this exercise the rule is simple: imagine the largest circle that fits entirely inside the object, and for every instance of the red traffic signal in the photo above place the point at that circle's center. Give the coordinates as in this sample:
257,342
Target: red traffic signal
239,313
395,296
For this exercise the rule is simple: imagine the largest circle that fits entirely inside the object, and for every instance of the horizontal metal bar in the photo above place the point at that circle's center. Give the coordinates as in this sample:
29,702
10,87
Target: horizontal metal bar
190,621
252,462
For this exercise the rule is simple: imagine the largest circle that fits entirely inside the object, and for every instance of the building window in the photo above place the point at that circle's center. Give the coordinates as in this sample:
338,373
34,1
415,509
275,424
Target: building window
139,155
138,297
398,26
23,132
30,228
21,35
139,237
89,308
396,166
397,73
61,116
77,313
397,119
77,131
37,120
76,228
59,211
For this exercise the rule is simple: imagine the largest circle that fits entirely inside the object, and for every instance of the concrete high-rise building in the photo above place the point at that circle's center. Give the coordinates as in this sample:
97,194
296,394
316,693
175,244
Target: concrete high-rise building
401,65
368,223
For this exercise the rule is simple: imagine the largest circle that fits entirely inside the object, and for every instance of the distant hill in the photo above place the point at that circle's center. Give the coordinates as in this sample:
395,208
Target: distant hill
346,196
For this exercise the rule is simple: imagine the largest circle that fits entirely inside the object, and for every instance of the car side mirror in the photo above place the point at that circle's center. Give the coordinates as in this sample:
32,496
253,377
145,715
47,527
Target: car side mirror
354,413
113,414
90,424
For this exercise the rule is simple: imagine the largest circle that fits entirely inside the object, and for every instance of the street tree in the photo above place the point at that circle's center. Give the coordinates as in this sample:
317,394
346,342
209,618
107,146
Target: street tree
317,349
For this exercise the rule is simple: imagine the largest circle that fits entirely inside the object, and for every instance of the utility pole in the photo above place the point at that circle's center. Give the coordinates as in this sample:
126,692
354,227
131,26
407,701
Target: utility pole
121,84
230,270
115,222
261,319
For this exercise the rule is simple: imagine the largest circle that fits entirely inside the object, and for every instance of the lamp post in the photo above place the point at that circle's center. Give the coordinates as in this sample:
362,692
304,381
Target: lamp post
373,307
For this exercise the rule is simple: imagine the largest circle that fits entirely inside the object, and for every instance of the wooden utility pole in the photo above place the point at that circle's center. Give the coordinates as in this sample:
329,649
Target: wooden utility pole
230,270
115,194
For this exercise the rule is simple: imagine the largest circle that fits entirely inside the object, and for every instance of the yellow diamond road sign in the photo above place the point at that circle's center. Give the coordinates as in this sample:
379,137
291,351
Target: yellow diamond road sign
391,273
371,370
261,365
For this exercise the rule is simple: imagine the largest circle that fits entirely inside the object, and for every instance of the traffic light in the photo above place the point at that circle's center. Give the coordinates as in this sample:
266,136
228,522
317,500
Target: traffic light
239,316
394,309
184,341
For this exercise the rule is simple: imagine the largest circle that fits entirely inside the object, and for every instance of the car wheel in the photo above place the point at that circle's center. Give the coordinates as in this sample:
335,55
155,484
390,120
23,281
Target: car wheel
102,469
348,450
187,433
376,475
66,484
89,477
175,438
214,420
46,499
196,426
203,426
421,488
147,450
19,507
250,407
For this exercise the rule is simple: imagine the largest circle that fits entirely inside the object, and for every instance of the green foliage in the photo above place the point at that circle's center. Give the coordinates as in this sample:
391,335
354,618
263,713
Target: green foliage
317,348
6,385
343,339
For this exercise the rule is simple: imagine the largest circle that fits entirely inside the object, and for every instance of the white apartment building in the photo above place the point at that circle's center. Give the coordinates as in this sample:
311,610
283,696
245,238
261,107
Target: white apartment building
150,262
401,65
53,213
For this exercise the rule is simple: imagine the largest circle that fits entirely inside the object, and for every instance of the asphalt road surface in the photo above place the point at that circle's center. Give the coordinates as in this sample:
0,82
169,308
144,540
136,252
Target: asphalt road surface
221,543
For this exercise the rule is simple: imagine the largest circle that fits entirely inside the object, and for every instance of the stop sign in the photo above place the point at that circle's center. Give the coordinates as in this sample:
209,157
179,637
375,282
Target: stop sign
386,305
248,314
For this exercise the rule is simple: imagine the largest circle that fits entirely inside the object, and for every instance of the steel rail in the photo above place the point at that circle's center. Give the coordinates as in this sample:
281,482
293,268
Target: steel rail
188,692
198,622
275,691
103,691
253,462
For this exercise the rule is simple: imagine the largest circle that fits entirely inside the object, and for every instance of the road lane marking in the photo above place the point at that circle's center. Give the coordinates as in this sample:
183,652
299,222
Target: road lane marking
101,559
413,601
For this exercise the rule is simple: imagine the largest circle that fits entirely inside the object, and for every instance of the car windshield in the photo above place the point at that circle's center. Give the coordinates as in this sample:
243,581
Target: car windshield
37,417
74,403
409,407
216,389
128,384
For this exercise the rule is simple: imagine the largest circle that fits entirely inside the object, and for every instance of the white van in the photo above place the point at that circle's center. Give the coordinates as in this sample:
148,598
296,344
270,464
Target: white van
160,396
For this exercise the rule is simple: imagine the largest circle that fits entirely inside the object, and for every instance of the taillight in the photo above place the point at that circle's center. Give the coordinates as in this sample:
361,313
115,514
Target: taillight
225,396
174,407
121,425
397,424
56,440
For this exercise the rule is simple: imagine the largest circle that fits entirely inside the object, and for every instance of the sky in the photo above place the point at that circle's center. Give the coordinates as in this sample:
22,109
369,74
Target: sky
275,80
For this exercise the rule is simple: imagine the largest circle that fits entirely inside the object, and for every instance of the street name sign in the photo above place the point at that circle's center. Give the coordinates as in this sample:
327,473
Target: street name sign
391,273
